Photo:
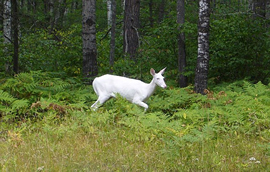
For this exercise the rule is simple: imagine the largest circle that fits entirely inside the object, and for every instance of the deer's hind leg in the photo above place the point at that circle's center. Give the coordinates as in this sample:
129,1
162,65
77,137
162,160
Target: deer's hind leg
100,101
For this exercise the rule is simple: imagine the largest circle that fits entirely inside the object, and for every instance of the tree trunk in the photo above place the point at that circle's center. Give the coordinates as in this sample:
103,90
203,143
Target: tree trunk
151,19
112,43
109,12
90,68
74,6
258,7
32,6
181,44
7,21
203,47
15,28
131,26
60,12
7,31
267,13
161,10
51,16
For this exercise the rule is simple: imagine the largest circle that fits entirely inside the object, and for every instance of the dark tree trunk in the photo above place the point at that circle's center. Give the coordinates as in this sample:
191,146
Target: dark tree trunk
32,6
259,8
60,12
74,6
112,43
15,28
203,47
131,26
47,7
151,20
181,44
90,68
161,10
51,15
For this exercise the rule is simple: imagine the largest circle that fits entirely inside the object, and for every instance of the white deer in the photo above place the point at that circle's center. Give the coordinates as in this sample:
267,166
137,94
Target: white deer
133,90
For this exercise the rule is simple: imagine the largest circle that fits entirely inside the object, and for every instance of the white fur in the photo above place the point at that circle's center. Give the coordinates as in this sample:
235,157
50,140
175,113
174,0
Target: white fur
133,90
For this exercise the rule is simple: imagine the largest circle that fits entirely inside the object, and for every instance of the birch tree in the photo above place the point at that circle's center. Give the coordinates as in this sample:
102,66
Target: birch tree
203,47
131,26
7,29
90,68
181,43
109,12
112,43
7,21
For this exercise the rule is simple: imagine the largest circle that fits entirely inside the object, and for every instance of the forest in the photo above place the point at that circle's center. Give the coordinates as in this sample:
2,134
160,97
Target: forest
214,114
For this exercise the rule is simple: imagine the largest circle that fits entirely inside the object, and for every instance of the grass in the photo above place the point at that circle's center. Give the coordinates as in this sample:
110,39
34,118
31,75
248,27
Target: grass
73,146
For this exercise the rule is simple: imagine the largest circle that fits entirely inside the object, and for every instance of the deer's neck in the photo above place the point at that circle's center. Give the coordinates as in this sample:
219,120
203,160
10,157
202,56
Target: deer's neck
151,87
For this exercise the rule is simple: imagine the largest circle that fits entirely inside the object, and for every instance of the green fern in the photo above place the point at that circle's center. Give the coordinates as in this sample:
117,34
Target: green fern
173,113
6,97
21,86
255,90
20,105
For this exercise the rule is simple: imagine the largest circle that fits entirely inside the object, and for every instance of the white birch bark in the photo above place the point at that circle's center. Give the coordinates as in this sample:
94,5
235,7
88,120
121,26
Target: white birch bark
7,21
109,13
7,30
112,42
203,47
90,68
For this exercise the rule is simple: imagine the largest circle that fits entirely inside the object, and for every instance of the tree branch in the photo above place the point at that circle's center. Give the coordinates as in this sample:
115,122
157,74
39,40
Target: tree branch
8,39
107,33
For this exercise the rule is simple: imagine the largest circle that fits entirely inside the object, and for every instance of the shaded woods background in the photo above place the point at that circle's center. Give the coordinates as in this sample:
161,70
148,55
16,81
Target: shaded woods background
50,39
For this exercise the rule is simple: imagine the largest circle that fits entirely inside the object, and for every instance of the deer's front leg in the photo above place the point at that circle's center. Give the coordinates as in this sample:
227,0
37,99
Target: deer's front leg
142,104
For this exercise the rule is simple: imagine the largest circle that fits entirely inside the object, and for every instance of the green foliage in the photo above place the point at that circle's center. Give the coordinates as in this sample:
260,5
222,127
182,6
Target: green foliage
60,51
180,127
241,45
28,95
239,107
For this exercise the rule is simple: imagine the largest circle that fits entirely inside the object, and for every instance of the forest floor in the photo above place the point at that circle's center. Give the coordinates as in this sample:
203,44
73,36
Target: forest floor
64,148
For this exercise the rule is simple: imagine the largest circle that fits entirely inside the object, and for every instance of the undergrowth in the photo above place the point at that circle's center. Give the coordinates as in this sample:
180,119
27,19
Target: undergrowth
51,112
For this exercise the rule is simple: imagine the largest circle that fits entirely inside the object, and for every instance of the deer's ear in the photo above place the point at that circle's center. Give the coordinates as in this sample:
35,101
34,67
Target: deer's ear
162,71
152,72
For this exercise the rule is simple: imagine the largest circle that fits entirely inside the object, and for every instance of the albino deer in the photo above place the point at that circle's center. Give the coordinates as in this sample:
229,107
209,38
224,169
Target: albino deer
133,90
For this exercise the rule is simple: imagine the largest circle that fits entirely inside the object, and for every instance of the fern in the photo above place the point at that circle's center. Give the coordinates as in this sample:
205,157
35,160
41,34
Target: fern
18,95
54,85
20,105
255,90
21,86
170,100
174,113
5,97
